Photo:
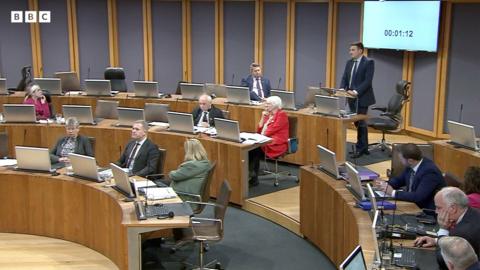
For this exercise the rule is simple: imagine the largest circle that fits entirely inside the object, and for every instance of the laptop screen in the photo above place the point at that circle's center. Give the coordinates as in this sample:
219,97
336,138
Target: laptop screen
33,158
227,129
328,161
462,134
354,261
354,181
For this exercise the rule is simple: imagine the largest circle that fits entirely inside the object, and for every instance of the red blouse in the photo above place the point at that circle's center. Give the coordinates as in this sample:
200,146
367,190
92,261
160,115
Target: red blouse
277,130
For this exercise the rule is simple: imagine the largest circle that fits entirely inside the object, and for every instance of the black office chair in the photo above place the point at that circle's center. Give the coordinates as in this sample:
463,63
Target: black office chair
92,141
390,119
27,78
116,75
3,144
159,174
292,148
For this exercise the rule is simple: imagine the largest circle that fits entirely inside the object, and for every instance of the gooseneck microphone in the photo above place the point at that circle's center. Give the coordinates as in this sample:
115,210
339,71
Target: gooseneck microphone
88,73
233,78
461,113
139,72
279,81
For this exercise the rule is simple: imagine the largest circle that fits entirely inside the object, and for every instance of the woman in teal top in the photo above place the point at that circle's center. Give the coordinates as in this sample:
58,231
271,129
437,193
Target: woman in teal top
190,175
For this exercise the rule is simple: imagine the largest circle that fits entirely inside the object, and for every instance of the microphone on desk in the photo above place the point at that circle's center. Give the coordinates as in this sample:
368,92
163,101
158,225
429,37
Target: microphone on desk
139,72
461,113
279,81
233,78
88,73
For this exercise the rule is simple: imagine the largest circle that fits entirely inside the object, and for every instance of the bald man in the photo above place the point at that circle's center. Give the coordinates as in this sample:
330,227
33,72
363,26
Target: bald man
205,113
458,254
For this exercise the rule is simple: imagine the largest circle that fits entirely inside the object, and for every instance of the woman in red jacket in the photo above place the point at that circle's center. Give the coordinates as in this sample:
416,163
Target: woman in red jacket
273,124
35,96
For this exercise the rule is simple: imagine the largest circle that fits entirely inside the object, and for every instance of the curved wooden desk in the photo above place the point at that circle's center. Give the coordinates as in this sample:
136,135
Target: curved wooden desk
232,158
312,129
452,159
329,218
76,210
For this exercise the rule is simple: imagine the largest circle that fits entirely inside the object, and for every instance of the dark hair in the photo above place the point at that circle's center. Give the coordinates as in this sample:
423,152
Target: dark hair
471,183
358,44
411,151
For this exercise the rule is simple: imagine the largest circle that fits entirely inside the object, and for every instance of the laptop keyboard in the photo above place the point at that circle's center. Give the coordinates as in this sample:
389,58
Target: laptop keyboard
404,257
155,210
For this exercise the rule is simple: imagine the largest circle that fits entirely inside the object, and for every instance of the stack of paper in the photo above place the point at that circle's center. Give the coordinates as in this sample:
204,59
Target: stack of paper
160,193
7,162
159,124
253,137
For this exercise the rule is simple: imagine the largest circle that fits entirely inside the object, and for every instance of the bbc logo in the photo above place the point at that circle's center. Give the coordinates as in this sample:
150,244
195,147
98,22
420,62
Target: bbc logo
18,16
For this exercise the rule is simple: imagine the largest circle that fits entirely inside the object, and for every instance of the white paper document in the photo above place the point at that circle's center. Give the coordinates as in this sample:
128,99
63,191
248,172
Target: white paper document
7,162
251,138
159,193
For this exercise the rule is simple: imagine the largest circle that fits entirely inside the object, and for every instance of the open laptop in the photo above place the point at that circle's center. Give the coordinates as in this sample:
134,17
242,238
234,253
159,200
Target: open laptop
52,85
218,90
156,112
354,184
107,109
355,260
180,122
83,113
329,164
146,89
378,256
84,167
3,87
126,116
98,88
463,135
227,130
191,91
122,181
33,158
287,97
330,106
19,113
69,81
238,95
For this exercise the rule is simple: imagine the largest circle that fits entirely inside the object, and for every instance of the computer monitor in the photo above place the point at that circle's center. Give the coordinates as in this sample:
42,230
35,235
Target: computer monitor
122,181
312,91
3,86
354,182
328,161
327,105
155,112
107,109
84,167
227,129
355,260
219,90
52,85
19,113
98,88
82,113
69,81
127,116
287,97
180,122
145,89
238,95
463,134
191,91
33,158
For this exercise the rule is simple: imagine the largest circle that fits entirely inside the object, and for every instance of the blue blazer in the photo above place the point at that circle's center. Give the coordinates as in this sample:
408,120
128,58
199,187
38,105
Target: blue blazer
426,182
248,82
361,82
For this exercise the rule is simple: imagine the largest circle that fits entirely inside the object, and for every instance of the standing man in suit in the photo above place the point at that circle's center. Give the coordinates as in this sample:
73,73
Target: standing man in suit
455,218
421,179
205,113
357,81
140,155
258,85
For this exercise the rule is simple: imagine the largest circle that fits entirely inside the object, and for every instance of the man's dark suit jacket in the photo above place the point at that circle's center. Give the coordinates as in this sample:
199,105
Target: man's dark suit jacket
82,147
266,87
427,181
469,229
145,161
361,82
214,112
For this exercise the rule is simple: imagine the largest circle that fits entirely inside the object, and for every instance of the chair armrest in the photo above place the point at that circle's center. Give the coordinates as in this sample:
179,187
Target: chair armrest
199,220
388,114
201,203
155,176
189,194
383,109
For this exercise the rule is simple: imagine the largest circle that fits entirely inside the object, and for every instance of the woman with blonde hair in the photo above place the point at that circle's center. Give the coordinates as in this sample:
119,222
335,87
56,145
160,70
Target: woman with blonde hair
191,174
35,97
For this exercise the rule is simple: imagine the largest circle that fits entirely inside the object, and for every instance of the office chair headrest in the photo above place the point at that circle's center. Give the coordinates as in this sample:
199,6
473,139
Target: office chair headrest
402,87
114,73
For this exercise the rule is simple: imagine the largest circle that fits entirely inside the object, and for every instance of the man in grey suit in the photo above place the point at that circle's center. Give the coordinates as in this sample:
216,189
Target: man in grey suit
455,218
140,155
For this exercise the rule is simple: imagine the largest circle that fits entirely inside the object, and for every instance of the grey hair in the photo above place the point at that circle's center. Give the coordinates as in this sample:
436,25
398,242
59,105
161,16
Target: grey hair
72,122
143,123
208,97
457,251
454,196
275,101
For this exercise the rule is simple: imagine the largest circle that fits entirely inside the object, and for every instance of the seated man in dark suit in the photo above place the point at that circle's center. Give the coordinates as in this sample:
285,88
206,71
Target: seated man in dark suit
455,218
259,86
421,179
140,155
458,254
205,113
